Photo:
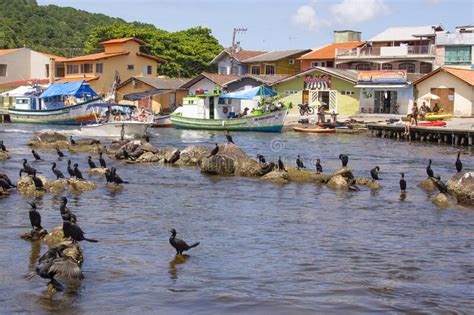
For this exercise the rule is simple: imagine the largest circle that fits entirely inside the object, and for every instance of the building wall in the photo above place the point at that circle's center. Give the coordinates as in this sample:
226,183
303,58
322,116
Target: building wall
463,92
306,64
38,65
404,99
395,64
18,65
225,63
204,84
282,66
243,84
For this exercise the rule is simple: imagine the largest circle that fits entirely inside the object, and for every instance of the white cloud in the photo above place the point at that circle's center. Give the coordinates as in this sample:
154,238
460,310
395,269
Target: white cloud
305,18
357,11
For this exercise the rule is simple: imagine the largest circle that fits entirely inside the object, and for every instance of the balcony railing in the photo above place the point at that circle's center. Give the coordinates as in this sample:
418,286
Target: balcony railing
389,51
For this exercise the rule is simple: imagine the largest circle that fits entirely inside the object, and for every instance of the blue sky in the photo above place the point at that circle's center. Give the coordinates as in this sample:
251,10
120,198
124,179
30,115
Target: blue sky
279,24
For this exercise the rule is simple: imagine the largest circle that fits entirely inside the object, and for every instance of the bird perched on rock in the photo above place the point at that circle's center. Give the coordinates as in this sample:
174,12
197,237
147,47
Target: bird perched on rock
299,163
60,153
72,141
39,185
179,244
429,171
91,163
147,138
35,217
70,170
27,168
403,183
4,185
319,167
375,173
109,177
261,158
66,214
77,172
458,163
57,172
229,137
102,161
344,159
116,179
7,180
73,231
2,146
214,151
281,166
36,155
440,185
174,157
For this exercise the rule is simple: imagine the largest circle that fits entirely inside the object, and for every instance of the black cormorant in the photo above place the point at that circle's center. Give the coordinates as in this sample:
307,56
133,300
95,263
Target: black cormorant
27,168
429,171
57,172
72,141
77,172
440,185
179,244
319,168
102,161
73,231
2,146
281,166
299,163
70,170
214,151
261,158
4,185
60,153
458,163
229,137
116,179
7,180
344,159
37,181
375,173
35,217
91,163
36,155
66,214
403,183
109,177
175,157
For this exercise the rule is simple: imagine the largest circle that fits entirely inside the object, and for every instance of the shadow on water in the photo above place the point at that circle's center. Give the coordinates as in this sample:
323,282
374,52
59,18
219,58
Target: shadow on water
173,269
35,254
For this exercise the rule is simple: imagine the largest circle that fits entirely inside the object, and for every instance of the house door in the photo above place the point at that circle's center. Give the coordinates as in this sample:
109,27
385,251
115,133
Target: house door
211,107
446,99
305,96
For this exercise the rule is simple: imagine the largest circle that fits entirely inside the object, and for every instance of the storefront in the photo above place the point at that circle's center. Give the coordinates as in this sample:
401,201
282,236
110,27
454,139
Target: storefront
384,92
333,88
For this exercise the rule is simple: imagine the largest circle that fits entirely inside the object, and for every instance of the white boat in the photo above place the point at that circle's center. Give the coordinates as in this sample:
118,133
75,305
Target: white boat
162,121
108,126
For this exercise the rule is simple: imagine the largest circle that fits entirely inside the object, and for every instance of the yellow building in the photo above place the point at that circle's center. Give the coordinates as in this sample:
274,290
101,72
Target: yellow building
121,57
162,95
276,62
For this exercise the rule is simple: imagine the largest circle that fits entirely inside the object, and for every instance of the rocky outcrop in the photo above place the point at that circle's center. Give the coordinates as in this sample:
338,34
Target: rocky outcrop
97,171
342,179
4,155
427,185
307,176
4,192
218,165
34,235
248,167
87,145
277,177
26,186
115,146
441,200
461,186
134,149
192,155
49,139
367,182
77,185
56,238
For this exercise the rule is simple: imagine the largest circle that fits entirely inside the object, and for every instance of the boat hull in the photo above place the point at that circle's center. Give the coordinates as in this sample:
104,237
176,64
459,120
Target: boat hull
270,122
314,130
78,114
132,129
162,122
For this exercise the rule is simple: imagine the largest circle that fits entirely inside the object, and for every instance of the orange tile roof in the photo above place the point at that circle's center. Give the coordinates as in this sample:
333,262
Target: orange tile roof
74,79
329,51
25,82
157,59
7,51
56,58
97,56
220,78
465,75
122,40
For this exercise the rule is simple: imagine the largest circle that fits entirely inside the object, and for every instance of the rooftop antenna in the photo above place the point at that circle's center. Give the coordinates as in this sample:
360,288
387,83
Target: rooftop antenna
239,30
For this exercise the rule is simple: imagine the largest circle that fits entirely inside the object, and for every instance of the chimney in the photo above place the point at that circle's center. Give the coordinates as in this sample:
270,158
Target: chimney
52,69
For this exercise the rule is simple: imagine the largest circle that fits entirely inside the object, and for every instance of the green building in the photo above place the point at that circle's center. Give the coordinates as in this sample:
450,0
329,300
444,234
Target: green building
333,88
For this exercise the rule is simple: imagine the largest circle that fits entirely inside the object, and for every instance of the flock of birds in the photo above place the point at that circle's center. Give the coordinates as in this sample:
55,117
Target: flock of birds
55,262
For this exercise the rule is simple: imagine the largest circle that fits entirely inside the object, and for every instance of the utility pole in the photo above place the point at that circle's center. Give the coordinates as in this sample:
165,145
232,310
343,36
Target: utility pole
232,49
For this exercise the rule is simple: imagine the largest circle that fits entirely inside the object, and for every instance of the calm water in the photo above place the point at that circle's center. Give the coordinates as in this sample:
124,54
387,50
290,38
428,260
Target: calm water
264,248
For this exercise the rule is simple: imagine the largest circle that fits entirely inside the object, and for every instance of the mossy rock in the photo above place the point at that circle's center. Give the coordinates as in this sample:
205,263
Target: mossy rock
367,182
97,171
192,155
34,235
338,182
441,200
277,177
301,176
4,155
77,185
427,185
461,186
49,139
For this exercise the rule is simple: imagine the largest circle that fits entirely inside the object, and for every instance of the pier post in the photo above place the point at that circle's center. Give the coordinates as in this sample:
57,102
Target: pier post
439,138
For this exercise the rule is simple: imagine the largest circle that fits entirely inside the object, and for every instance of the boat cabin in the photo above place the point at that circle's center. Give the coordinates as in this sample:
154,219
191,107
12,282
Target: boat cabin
211,106
59,95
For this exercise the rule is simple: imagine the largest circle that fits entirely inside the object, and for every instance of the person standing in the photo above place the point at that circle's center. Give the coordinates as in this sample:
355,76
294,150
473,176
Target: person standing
414,114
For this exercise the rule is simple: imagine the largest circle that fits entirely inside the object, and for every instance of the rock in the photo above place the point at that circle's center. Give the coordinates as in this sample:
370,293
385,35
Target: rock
34,235
148,157
338,182
427,185
134,149
97,171
461,186
4,192
78,185
115,146
4,155
49,139
26,186
192,155
305,176
218,165
277,177
321,178
248,167
367,182
171,154
232,150
441,200
56,186
56,238
91,146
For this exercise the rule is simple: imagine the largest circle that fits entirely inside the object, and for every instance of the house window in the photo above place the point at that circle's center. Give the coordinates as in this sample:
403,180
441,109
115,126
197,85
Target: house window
330,64
458,55
291,61
3,70
86,68
149,70
426,67
409,67
314,64
71,69
234,70
387,66
323,64
223,70
363,66
255,70
269,69
99,67
130,67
